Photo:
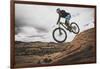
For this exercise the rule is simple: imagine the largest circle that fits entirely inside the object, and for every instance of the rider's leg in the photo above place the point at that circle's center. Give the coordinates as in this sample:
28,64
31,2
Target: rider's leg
67,18
66,22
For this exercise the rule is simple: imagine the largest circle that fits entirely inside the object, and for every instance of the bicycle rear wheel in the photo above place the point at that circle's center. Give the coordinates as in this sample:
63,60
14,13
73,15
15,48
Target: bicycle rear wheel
75,28
59,35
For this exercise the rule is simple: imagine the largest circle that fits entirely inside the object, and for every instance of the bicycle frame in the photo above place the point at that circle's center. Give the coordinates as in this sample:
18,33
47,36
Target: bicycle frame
63,24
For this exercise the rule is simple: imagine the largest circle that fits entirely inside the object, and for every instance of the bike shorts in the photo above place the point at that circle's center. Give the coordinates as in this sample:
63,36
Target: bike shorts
68,17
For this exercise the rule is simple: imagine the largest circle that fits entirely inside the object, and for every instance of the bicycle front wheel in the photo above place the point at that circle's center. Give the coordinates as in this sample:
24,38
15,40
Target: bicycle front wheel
59,35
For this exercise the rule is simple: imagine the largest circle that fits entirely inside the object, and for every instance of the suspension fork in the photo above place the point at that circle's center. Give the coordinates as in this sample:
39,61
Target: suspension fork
59,29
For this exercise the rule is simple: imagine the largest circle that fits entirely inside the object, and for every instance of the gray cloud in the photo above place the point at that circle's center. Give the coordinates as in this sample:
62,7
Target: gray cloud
22,22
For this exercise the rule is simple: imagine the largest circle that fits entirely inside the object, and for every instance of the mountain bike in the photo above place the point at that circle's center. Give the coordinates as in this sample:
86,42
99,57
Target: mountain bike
59,34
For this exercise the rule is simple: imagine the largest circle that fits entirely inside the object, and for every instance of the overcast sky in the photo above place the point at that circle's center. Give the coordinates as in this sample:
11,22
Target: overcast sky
36,22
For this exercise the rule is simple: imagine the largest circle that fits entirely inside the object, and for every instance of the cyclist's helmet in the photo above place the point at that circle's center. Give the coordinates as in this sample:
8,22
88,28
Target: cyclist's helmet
58,9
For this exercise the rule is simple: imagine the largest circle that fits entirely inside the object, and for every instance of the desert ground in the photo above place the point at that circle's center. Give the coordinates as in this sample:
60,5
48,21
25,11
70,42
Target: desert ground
82,49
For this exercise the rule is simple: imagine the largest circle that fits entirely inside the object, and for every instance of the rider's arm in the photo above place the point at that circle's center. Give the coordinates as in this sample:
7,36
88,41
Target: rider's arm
58,19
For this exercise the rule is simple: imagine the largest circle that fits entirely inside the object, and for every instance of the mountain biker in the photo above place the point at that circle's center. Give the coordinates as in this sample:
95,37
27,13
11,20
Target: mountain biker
63,14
